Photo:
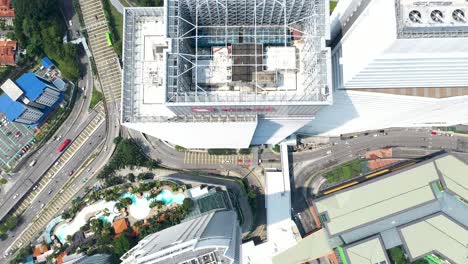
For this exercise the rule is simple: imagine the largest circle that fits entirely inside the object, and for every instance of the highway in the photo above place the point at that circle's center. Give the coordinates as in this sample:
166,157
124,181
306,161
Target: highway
26,177
108,69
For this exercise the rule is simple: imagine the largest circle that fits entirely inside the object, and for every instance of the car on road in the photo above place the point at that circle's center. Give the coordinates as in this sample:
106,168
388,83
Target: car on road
71,173
50,191
42,205
32,163
16,195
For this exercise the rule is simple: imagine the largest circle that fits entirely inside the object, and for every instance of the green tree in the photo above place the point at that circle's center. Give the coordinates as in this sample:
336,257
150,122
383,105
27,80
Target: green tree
187,204
3,229
276,148
38,27
10,35
122,244
3,181
11,222
131,177
126,201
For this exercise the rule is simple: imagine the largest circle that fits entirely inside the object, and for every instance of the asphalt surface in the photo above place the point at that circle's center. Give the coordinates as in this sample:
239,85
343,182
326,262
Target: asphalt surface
27,177
70,129
169,157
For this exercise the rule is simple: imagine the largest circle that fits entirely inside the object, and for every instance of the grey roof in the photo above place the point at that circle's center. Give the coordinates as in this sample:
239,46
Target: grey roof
217,233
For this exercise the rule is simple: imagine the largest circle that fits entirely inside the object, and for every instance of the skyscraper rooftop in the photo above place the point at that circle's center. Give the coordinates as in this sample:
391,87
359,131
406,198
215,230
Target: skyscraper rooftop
225,62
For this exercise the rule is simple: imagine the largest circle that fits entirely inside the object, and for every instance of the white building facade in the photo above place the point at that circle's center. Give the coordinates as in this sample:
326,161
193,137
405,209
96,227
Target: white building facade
225,74
383,44
396,63
210,238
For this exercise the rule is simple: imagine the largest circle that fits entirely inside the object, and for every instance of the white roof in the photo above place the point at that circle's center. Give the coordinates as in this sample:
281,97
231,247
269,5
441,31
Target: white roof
197,191
437,233
376,200
367,251
455,175
278,203
280,236
280,58
11,89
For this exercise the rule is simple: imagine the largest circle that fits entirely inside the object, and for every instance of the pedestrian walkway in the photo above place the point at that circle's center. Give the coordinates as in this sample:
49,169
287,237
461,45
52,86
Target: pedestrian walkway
205,158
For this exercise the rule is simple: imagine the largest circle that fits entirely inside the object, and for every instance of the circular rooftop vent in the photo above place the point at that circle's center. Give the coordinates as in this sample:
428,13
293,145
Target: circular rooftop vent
415,16
459,15
437,16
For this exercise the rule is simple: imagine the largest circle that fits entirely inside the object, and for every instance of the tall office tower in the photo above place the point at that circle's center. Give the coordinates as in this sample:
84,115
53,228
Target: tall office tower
229,73
396,63
401,44
210,238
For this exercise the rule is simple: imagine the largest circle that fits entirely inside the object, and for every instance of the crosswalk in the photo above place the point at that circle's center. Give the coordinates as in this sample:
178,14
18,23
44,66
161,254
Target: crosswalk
106,60
192,157
65,194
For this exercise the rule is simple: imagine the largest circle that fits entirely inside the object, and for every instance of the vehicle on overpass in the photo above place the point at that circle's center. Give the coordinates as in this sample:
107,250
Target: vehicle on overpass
63,145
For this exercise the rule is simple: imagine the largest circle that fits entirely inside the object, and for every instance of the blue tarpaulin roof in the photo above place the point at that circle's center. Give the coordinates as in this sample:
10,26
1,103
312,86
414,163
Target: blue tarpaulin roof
10,108
46,62
31,85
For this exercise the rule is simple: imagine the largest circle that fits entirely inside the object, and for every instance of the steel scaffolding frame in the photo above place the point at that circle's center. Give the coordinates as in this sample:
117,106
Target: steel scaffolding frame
191,22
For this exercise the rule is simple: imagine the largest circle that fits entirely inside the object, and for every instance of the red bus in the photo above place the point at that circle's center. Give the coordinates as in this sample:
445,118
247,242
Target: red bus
63,145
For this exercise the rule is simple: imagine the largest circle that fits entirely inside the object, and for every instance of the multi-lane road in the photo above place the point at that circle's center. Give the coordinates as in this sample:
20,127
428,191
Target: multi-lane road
27,177
101,138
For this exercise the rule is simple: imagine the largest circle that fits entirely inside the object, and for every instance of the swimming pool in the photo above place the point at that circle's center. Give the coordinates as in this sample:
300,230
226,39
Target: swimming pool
62,231
139,209
167,197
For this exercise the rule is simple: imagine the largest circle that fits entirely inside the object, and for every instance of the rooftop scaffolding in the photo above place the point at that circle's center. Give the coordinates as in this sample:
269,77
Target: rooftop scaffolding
197,26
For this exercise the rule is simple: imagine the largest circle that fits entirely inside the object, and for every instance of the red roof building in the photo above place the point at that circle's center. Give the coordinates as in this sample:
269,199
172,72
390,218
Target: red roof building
7,52
5,9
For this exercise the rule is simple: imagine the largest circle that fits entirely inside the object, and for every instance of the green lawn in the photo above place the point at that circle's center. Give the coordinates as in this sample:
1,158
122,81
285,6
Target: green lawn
118,21
332,5
95,98
344,172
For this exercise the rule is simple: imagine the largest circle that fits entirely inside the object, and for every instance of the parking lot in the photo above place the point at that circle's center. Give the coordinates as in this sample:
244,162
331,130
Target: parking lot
15,138
205,158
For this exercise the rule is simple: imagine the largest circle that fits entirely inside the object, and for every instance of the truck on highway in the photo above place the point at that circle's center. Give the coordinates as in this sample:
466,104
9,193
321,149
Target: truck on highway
63,145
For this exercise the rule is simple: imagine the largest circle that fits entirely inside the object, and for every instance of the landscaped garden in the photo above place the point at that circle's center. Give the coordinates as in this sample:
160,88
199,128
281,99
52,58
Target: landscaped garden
345,171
